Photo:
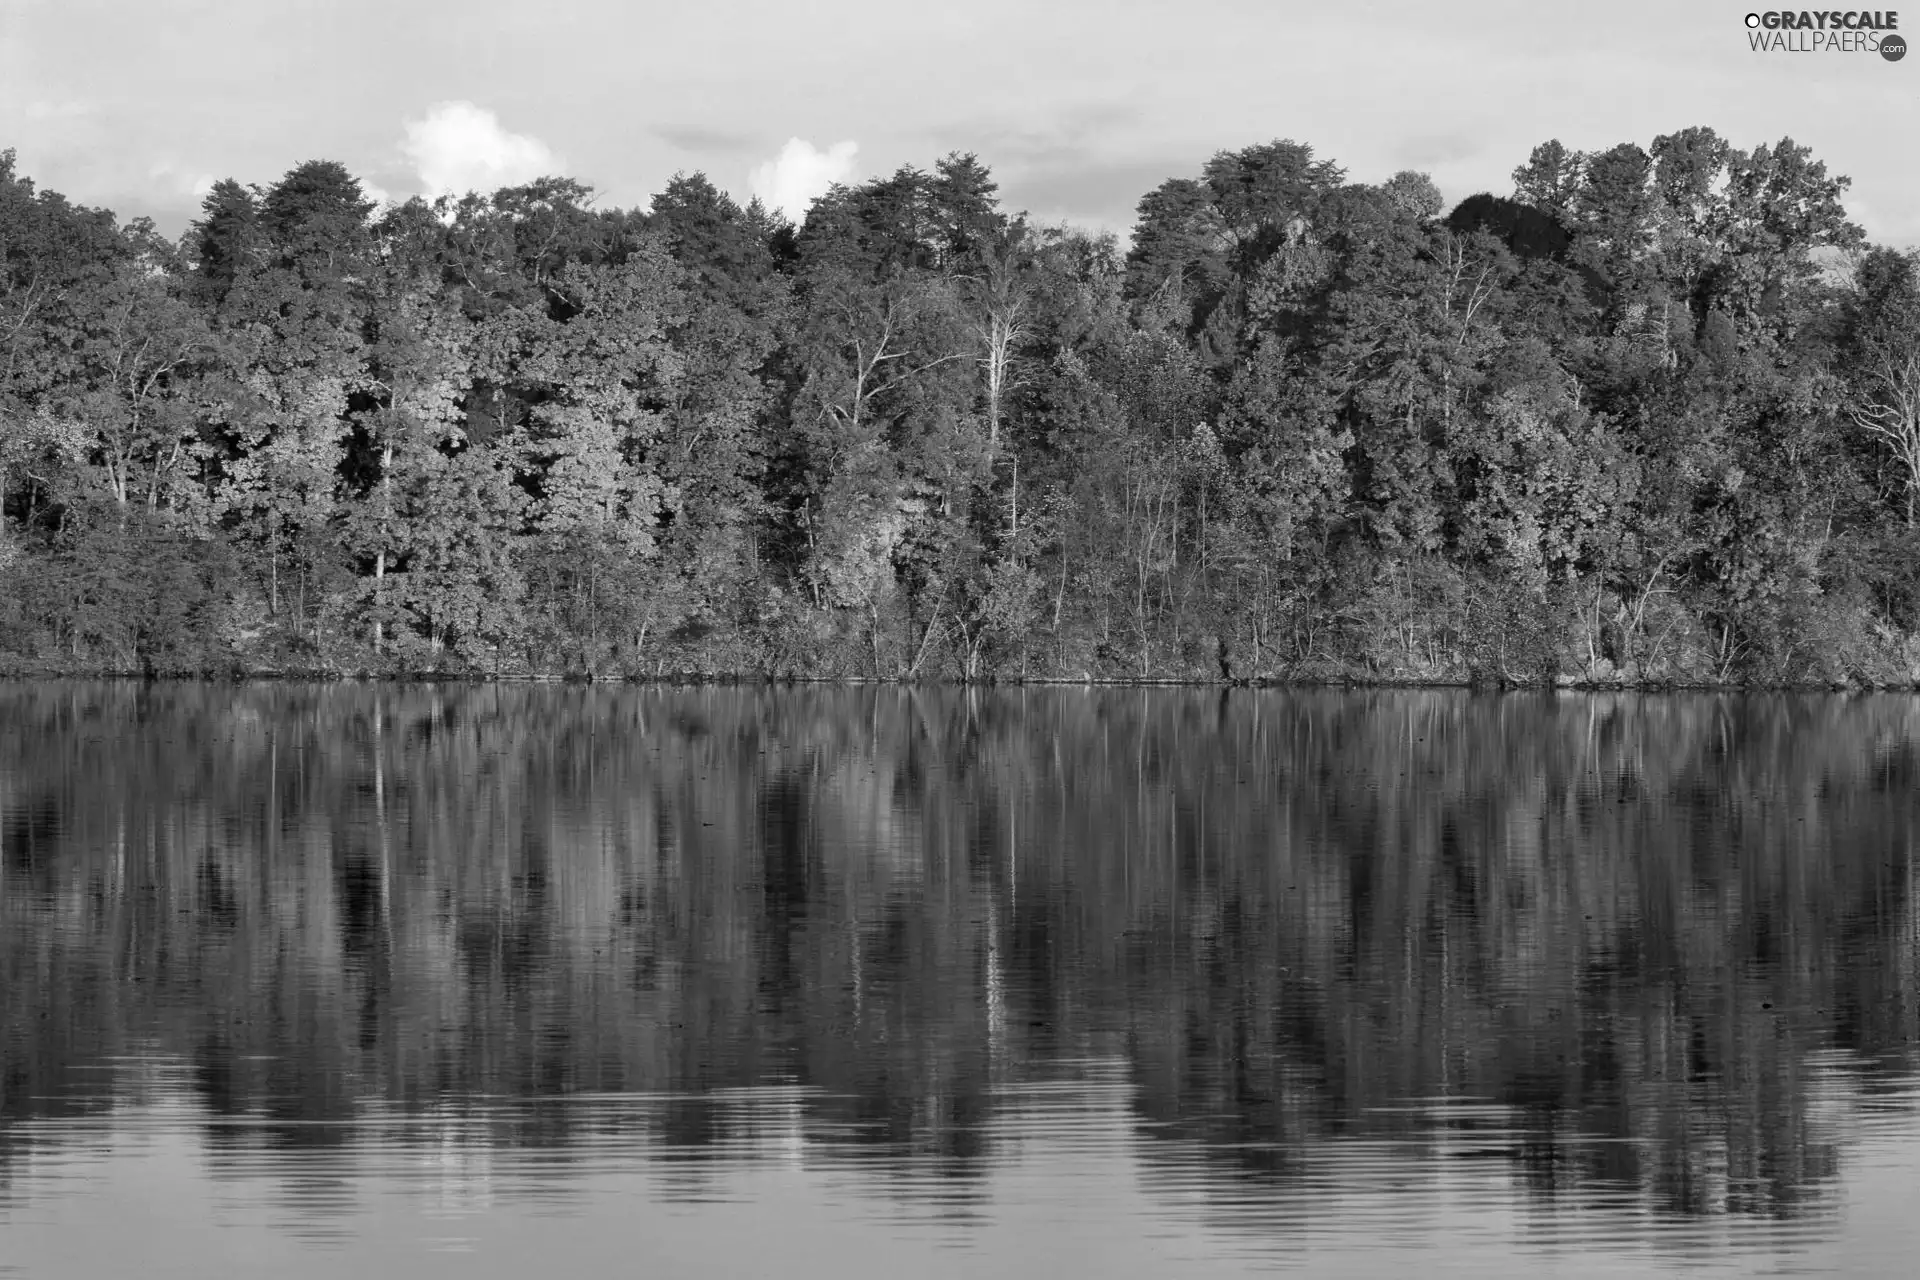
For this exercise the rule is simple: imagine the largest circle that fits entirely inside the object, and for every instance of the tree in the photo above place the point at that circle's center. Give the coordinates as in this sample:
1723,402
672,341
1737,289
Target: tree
56,260
1177,241
1000,295
1550,180
416,371
136,348
964,211
227,240
1886,365
593,373
315,222
1632,413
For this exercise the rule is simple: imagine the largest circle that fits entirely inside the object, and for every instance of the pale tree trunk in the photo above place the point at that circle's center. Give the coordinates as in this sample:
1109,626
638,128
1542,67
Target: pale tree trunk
1890,410
875,344
380,557
273,551
1001,332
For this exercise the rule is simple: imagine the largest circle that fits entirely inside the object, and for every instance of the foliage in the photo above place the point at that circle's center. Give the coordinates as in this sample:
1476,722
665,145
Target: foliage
1650,416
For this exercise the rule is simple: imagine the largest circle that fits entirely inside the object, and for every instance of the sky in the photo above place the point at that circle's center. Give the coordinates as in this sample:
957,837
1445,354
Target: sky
1078,107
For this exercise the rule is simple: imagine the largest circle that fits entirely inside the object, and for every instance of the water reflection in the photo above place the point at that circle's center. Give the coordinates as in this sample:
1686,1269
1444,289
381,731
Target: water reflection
1194,981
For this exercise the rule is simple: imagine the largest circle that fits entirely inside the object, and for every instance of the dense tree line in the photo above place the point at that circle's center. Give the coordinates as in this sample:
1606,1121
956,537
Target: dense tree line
1653,416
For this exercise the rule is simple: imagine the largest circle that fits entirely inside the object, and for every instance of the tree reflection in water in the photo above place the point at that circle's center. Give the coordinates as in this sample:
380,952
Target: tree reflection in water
1646,957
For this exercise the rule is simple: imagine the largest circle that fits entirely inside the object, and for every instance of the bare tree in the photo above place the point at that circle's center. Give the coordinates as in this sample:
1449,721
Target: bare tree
1003,296
1887,401
878,332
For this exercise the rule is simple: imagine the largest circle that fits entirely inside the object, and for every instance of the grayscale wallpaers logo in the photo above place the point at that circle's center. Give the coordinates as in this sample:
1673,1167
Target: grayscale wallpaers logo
1828,31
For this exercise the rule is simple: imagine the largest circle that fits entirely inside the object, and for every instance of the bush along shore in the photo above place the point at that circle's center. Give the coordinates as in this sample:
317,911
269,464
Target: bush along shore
1652,417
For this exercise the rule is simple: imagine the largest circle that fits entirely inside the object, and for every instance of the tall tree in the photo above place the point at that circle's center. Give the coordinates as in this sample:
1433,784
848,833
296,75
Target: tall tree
1885,361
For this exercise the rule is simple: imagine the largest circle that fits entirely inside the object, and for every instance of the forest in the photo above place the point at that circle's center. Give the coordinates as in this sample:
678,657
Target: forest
1650,418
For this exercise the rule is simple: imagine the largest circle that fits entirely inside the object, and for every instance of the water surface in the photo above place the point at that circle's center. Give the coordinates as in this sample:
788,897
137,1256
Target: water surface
484,981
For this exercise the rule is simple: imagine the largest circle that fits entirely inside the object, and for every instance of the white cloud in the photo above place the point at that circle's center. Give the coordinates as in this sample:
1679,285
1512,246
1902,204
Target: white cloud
172,181
58,109
791,181
374,191
459,148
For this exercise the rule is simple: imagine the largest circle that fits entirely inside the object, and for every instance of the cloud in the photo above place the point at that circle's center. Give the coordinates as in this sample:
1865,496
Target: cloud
374,191
170,182
459,148
1106,192
1071,133
698,139
58,109
791,181
1439,149
1895,230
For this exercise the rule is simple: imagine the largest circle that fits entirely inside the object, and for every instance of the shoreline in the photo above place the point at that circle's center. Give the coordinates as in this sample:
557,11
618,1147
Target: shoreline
693,679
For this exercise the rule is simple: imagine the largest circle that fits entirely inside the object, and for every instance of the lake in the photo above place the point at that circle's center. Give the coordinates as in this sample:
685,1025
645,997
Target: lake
438,980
